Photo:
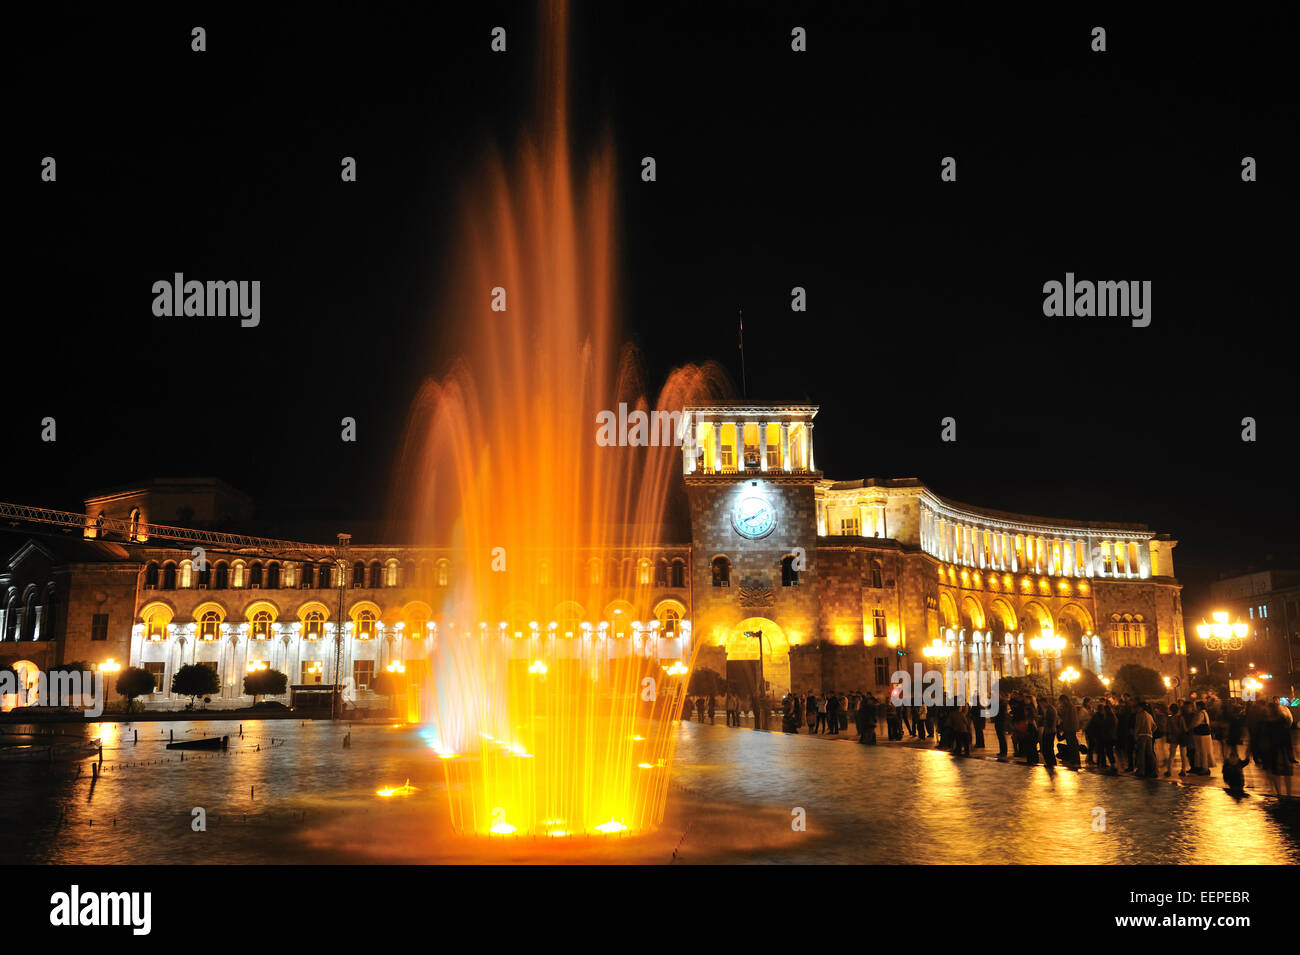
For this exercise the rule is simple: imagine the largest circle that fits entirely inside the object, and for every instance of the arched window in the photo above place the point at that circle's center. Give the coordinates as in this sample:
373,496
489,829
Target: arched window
313,625
255,575
789,571
721,571
877,575
661,573
273,575
307,579
222,575
679,573
358,574
134,532
543,573
424,573
390,573
261,628
155,626
644,572
365,625
325,577
151,575
444,572
169,576
669,622
409,574
593,572
210,625
376,575
204,576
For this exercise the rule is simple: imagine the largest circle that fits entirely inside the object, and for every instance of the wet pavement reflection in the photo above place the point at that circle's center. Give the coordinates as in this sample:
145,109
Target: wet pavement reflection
290,792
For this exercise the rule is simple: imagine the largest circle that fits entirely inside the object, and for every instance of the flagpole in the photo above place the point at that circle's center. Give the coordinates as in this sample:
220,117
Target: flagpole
744,388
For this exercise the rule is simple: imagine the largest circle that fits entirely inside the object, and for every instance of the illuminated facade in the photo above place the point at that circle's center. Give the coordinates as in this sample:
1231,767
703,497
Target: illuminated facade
846,581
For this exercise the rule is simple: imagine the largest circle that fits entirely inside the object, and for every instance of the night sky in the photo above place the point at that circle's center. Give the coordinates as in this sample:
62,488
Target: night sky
775,169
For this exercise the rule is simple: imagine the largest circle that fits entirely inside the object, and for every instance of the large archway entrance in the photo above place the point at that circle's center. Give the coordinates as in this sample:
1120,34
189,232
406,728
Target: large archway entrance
775,658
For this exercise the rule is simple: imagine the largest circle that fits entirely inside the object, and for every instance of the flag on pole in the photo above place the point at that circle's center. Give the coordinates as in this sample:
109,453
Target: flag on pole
742,331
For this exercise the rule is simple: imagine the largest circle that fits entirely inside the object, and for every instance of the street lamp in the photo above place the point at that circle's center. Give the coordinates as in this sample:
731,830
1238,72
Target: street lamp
1048,644
1222,637
1068,676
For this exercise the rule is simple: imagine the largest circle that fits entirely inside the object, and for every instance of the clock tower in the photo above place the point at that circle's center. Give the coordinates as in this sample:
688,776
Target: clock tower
751,480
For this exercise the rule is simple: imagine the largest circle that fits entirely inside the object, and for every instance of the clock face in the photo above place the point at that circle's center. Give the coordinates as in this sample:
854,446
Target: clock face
753,517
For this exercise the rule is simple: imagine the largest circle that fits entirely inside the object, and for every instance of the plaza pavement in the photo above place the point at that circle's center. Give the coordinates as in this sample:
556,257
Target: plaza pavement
1257,782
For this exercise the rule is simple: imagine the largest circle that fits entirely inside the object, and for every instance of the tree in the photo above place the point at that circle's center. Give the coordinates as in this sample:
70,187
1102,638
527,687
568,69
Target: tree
1088,684
1034,684
132,682
195,680
265,683
705,682
1138,681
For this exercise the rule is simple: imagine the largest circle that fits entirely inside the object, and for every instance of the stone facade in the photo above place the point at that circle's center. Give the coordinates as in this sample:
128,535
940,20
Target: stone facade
841,582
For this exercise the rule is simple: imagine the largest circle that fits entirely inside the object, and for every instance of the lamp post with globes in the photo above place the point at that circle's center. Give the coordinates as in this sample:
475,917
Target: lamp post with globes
1223,638
1047,645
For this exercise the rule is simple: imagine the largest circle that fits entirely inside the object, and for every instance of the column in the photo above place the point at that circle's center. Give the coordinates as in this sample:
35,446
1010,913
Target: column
808,444
1144,559
738,429
862,519
717,447
785,446
762,445
881,529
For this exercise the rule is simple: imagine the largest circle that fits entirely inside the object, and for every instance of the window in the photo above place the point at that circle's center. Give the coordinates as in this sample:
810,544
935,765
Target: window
849,527
363,673
313,671
273,576
877,576
444,573
210,625
774,457
1127,631
679,573
358,574
376,575
223,576
643,571
156,670
205,575
365,625
134,533
307,580
99,626
721,572
789,572
151,576
155,628
882,671
313,625
878,623
325,577
668,622
262,621
255,575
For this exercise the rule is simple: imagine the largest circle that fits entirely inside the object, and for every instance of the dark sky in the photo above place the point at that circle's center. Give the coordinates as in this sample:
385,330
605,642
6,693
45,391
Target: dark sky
775,169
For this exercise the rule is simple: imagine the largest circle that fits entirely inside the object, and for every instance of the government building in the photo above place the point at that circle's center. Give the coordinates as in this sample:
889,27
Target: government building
817,584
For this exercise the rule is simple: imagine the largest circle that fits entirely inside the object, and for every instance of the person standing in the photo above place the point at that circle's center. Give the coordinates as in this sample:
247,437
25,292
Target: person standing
1001,721
1089,731
1029,740
977,718
833,713
821,714
1175,730
1070,730
961,726
1201,739
1107,723
1144,753
810,711
1050,720
713,706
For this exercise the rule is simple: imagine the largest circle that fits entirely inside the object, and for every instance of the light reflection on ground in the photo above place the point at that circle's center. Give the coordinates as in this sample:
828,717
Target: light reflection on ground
304,798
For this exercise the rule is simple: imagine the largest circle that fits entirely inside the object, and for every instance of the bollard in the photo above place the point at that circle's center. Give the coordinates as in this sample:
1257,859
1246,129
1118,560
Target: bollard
137,737
171,736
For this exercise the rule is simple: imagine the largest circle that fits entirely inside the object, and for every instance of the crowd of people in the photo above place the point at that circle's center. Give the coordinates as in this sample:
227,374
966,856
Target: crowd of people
1113,734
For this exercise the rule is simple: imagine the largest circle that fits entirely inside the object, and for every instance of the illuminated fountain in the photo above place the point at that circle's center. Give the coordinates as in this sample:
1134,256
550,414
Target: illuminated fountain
552,689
